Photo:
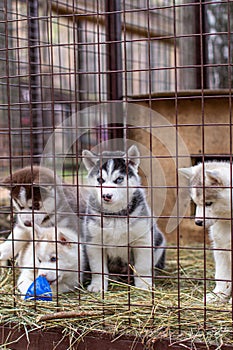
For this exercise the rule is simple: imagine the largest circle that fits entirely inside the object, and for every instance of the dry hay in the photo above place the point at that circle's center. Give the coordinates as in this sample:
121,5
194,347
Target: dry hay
175,309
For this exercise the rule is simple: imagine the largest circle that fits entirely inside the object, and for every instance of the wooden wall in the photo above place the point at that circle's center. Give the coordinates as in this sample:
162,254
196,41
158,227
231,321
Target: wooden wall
204,127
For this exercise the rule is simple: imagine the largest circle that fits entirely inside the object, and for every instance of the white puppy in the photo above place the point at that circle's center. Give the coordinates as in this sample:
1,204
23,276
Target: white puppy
53,253
213,198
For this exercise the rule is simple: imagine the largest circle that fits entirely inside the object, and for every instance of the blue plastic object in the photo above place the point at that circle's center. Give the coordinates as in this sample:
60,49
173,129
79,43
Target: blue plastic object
39,290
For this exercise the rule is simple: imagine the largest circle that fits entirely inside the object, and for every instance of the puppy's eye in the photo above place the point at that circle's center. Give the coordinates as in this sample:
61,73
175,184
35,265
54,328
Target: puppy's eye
100,180
208,204
119,180
53,259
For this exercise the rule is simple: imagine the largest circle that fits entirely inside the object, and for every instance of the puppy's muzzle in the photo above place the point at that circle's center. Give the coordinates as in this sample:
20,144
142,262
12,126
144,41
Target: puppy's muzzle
107,197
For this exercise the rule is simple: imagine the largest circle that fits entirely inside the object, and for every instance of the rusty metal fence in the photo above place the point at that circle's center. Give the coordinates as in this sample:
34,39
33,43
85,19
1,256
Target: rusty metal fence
104,76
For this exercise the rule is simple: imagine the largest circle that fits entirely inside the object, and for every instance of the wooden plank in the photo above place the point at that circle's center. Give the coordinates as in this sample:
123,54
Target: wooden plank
17,339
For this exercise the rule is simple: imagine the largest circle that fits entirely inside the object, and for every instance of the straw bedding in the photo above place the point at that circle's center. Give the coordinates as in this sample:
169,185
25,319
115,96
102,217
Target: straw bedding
175,309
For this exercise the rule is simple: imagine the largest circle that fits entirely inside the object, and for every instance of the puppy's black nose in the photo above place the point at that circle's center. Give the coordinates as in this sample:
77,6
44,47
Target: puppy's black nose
107,197
199,222
27,223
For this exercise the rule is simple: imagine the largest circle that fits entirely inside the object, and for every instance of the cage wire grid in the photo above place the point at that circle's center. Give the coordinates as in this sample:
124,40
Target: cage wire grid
107,76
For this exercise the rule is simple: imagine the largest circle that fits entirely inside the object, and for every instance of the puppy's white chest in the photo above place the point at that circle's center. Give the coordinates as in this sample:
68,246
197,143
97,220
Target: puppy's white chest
118,232
220,234
110,232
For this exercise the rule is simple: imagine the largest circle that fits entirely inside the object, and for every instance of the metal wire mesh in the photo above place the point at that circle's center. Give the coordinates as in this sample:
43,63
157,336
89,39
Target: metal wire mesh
105,76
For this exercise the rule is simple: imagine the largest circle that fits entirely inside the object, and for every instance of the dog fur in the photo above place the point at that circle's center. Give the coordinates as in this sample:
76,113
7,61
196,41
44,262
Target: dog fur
212,195
52,253
118,226
39,197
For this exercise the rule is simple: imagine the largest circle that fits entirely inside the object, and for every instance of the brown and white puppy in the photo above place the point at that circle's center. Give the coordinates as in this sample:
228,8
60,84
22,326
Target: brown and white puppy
40,197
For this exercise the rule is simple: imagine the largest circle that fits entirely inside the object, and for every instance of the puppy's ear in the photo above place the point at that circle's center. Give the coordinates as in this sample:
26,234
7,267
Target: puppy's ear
186,172
215,177
89,159
134,156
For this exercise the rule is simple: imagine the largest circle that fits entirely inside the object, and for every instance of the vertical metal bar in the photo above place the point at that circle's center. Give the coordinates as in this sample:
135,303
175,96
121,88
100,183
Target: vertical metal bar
204,45
113,48
35,82
179,319
200,15
79,78
203,138
114,64
7,8
197,47
150,122
229,16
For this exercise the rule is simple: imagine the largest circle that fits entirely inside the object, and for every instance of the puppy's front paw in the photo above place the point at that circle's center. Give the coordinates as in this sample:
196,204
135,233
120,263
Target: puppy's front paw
94,288
143,283
219,297
97,286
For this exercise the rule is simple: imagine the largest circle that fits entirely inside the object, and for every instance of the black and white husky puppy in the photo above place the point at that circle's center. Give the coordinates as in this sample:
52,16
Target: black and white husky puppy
118,226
